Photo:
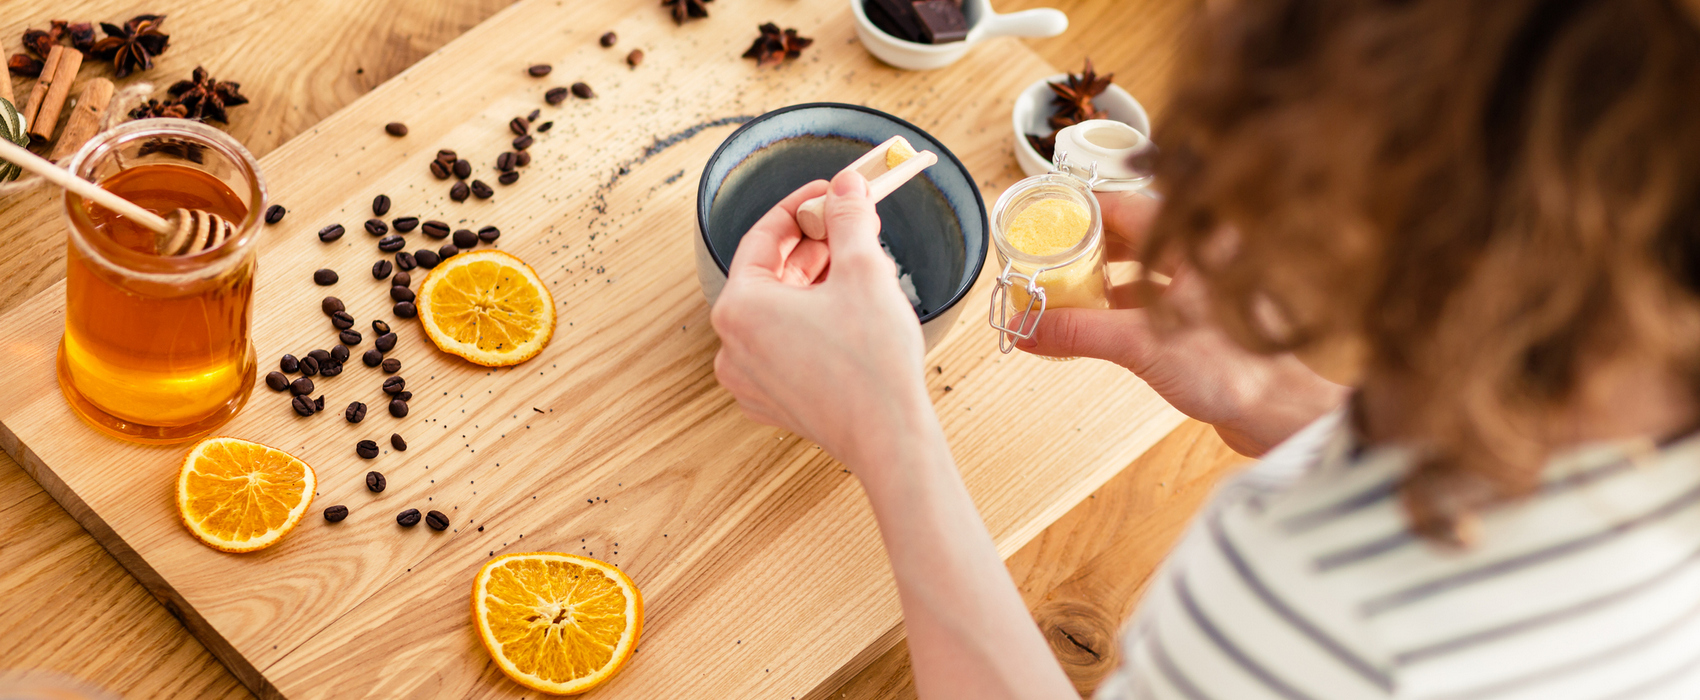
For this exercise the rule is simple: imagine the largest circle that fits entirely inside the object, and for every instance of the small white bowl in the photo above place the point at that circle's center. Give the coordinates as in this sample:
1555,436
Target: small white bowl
983,24
1033,107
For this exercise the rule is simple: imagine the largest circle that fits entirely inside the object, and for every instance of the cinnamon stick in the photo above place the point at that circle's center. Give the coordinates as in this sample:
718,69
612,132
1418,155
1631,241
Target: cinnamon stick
6,81
64,73
39,92
85,117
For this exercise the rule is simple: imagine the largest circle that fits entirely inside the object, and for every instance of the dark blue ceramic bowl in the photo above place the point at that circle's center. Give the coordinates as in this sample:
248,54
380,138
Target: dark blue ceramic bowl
935,225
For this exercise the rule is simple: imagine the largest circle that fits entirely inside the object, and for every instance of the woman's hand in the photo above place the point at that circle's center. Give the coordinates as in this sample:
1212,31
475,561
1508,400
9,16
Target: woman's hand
816,336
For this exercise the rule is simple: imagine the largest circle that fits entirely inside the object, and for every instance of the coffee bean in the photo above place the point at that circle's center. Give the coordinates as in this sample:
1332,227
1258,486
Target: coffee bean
395,129
435,229
448,250
437,520
355,413
375,482
342,321
274,213
330,369
608,39
396,442
539,70
398,408
405,224
463,169
277,381
380,327
545,126
481,190
583,91
440,170
289,364
447,155
382,268
404,262
408,518
324,277
401,294
522,142
367,450
459,191
465,239
391,244
336,514
377,227
340,353
319,403
330,233
402,279
533,116
427,259
372,357
322,356
394,385
508,178
385,342
635,58
309,366
303,406
405,396
505,162
349,337
391,365
331,305
488,234
405,309
519,126
555,96
381,205
302,386
523,158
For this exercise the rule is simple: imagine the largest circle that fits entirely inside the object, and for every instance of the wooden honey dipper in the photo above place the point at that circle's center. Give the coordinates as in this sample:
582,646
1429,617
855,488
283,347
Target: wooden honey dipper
182,232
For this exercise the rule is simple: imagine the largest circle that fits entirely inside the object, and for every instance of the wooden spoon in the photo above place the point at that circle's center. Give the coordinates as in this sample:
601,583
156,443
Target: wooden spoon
882,180
182,232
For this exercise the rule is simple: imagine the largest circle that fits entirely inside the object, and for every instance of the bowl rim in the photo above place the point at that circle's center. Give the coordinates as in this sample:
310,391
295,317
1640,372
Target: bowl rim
975,266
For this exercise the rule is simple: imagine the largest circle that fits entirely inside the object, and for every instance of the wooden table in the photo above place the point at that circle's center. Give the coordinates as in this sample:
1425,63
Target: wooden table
71,608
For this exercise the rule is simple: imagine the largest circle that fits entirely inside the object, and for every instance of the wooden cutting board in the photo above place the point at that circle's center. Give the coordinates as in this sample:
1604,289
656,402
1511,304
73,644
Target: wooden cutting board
762,570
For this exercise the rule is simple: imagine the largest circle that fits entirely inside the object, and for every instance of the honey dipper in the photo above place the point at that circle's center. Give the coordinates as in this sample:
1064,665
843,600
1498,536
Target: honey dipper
885,173
182,232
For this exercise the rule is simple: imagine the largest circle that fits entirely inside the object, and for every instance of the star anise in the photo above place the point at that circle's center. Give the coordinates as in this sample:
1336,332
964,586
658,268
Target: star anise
774,46
204,98
155,108
132,46
1072,105
686,9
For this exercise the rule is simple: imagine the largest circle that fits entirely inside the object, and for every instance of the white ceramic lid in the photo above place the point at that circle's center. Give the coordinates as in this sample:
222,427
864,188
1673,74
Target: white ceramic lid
1111,145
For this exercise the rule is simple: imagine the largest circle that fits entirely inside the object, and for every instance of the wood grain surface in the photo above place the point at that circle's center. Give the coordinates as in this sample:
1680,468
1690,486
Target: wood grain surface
85,616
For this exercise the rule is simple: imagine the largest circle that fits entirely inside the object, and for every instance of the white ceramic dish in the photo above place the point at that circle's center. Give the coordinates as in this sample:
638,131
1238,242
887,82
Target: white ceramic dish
983,24
1033,107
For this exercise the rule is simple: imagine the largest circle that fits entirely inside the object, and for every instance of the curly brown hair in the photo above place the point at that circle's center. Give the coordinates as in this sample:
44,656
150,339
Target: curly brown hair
1485,196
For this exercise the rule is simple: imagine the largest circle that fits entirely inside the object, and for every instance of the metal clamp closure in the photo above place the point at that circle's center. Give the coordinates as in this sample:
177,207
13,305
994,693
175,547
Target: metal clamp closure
998,315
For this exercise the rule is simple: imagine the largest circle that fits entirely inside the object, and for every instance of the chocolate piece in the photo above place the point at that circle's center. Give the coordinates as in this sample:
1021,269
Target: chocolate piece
942,21
895,17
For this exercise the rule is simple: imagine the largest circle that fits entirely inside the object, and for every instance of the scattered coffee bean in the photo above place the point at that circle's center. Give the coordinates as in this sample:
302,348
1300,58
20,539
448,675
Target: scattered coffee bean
545,126
555,96
488,234
426,258
519,126
382,268
635,58
436,229
405,396
322,356
303,406
391,244
523,142
534,115
391,365
385,342
377,227
372,358
374,481
380,327
339,353
330,369
302,386
481,190
277,381
402,279
405,309
398,408
459,191
437,520
523,158
405,224
336,514
330,233
342,321
408,518
401,294
463,169
396,442
356,412
324,277
447,155
539,70
394,385
331,305
274,213
440,169
367,450
309,366
395,129
381,205
289,364
404,262
465,239
583,91
448,250
608,39
349,337
319,403
505,162
508,178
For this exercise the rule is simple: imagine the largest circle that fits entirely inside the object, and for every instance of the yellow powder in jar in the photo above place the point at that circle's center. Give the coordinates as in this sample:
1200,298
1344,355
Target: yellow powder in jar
899,152
1048,227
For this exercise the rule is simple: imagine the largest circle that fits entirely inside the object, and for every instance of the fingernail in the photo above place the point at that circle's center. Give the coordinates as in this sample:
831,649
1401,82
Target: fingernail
1027,343
848,183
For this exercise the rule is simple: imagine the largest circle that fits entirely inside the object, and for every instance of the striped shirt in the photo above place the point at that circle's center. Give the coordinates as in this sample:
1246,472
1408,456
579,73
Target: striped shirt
1301,581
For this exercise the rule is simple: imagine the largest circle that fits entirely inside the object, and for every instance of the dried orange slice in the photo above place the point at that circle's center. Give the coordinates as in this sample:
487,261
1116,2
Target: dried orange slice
556,623
240,496
488,307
